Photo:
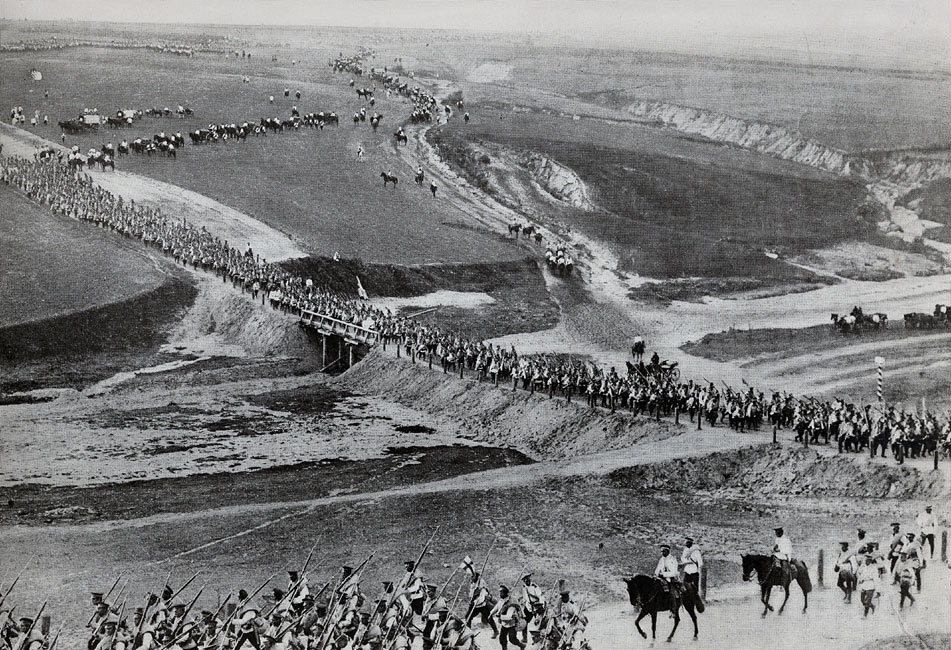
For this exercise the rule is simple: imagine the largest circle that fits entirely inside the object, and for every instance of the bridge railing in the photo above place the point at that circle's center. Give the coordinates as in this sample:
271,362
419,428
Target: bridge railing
351,332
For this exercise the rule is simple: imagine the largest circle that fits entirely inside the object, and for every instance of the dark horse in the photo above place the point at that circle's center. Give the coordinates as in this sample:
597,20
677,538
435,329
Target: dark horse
769,578
388,178
648,593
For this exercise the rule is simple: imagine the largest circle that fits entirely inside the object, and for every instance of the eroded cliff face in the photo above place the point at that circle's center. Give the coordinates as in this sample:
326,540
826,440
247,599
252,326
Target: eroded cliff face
556,179
769,139
888,179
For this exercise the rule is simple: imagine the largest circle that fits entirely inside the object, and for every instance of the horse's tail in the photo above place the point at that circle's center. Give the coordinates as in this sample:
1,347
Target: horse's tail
802,576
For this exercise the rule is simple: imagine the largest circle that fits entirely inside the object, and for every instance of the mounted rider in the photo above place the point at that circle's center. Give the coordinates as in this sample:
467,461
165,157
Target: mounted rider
668,571
782,554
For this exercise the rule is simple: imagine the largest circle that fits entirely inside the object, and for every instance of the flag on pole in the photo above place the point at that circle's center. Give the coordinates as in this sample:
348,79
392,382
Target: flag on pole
36,75
467,564
361,291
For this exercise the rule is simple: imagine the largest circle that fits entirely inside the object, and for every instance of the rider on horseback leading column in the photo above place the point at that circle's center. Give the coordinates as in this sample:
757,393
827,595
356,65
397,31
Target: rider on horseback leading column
668,571
782,553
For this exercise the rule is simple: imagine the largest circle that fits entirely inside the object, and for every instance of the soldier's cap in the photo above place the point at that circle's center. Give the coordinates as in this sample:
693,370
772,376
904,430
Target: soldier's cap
139,610
525,576
895,524
409,563
176,605
168,590
904,553
97,595
278,593
26,619
431,586
778,529
861,531
928,507
242,594
309,597
364,614
387,585
205,613
292,573
663,546
689,538
503,588
910,535
844,544
538,605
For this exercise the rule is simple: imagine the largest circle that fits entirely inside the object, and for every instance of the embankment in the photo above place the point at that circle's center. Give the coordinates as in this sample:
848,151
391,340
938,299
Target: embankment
781,471
558,180
223,321
545,428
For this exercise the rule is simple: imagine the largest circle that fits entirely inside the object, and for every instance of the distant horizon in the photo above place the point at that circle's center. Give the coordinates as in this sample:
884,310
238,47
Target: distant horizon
888,33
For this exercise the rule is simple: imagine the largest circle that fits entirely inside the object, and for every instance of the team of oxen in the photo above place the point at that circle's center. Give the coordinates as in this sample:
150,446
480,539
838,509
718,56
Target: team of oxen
857,321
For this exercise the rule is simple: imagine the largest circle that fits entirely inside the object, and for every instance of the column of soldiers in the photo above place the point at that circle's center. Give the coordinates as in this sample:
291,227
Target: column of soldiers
644,388
410,613
866,564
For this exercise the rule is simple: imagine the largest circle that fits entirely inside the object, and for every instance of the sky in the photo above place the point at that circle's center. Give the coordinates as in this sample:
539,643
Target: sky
916,32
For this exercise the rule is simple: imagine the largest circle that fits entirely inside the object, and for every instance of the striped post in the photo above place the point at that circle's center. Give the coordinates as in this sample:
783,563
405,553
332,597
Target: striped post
880,394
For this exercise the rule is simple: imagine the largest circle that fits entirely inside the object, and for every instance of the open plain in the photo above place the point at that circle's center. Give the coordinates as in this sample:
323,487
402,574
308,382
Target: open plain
157,420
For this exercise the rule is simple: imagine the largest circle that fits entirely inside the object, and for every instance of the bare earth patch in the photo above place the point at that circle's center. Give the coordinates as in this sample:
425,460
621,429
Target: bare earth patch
865,261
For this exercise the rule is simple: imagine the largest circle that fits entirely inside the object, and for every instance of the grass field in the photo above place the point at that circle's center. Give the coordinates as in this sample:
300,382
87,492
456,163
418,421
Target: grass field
52,265
681,208
521,304
305,183
845,106
786,343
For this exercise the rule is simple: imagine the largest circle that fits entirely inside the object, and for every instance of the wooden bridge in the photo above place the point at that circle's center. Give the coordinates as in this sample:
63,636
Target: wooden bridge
351,333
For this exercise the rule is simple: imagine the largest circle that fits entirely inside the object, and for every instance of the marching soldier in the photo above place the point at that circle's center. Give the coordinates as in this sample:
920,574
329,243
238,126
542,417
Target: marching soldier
571,619
915,556
531,595
480,602
867,578
846,568
411,589
507,612
927,525
30,637
894,545
904,575
540,627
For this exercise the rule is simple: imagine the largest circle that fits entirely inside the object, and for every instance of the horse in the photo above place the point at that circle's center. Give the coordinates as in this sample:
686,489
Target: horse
538,238
401,137
419,177
638,349
650,595
762,565
388,178
515,228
